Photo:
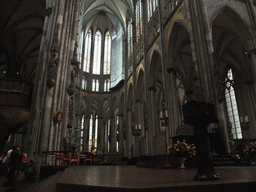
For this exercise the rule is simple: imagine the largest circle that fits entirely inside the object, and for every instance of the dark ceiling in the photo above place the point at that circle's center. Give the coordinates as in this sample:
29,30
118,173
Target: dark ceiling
20,36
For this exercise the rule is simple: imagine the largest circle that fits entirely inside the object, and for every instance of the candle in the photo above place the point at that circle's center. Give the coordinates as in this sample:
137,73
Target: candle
246,119
139,126
241,119
136,127
166,113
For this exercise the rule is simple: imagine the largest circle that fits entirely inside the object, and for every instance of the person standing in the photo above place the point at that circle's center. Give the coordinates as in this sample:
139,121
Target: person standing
15,162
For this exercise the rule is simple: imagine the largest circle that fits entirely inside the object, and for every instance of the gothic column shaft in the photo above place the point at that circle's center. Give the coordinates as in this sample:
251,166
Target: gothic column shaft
120,129
48,92
86,132
99,137
154,120
174,115
112,135
103,137
164,64
64,63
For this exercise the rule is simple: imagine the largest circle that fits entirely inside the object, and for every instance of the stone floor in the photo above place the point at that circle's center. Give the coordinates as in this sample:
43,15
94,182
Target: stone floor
132,178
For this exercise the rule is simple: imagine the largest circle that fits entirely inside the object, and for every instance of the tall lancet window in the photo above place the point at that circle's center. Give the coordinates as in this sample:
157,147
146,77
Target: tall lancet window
107,54
81,48
152,5
84,84
97,53
95,85
82,134
138,20
106,85
90,133
130,39
87,52
96,132
232,106
108,130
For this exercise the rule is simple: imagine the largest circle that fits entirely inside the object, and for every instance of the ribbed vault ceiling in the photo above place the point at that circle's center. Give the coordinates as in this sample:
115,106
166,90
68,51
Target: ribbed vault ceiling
114,11
20,35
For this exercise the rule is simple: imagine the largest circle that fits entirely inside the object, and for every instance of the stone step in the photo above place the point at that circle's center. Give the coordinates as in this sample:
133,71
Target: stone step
48,184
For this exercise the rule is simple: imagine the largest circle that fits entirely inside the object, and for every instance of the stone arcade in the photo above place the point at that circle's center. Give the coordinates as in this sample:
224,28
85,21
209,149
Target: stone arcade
119,71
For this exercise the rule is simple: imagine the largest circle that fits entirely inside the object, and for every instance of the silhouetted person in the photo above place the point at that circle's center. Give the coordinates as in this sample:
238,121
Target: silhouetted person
200,115
15,162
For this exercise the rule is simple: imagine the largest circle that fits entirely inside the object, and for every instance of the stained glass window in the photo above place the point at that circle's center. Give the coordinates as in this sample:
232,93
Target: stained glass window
87,52
130,39
97,53
138,20
232,106
152,5
107,54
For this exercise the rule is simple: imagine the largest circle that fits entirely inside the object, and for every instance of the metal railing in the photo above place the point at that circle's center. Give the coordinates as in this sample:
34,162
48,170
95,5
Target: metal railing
48,158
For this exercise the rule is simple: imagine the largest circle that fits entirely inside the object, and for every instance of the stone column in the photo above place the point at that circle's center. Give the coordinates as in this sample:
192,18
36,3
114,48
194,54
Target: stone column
174,117
154,119
51,79
120,129
86,132
99,137
164,65
112,135
103,137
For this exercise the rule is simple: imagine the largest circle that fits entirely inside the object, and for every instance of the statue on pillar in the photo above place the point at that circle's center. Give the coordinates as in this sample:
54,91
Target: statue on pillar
200,115
52,67
75,64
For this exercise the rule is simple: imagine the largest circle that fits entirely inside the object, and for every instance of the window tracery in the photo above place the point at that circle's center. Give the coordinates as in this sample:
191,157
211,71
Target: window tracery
232,106
97,53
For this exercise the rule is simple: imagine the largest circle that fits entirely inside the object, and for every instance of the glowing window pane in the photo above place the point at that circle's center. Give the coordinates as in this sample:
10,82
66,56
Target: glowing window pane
93,85
90,134
107,54
232,106
81,47
97,53
97,85
96,132
87,52
138,20
130,38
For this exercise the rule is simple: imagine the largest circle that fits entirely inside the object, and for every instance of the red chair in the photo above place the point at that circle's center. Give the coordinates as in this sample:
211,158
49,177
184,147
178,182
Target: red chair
75,158
88,158
66,158
82,158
